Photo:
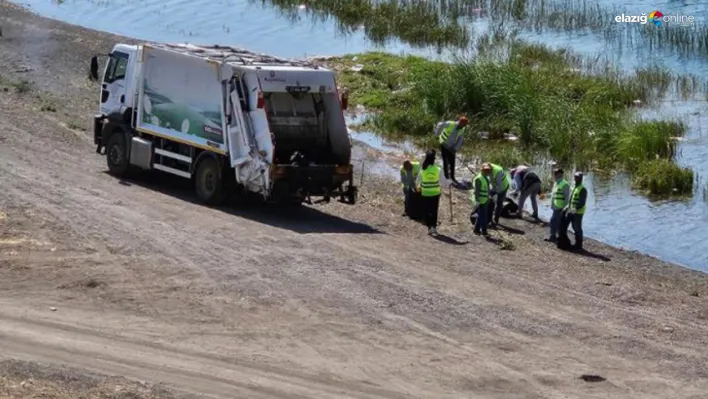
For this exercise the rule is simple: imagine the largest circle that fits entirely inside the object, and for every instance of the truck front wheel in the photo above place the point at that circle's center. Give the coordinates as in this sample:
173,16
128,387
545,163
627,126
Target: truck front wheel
117,155
208,182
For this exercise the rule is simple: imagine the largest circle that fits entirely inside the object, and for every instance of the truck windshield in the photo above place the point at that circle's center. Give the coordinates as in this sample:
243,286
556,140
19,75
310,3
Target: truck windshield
117,65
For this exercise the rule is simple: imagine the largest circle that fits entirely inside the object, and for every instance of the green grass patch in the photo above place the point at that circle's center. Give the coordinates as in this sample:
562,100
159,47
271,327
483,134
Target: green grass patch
648,140
539,95
22,86
661,177
74,125
48,106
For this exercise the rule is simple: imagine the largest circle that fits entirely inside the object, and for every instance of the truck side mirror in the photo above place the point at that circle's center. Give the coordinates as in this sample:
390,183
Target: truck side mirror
94,68
345,99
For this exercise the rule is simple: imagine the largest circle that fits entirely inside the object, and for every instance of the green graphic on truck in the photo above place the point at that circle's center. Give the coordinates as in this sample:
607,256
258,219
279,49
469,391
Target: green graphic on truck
181,100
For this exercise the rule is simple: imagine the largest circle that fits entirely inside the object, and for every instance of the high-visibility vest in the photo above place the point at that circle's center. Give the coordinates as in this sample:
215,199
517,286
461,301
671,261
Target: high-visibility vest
483,190
496,169
445,134
430,181
575,198
559,201
414,171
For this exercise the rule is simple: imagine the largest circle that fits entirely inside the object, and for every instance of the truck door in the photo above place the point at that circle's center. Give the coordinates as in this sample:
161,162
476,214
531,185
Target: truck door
114,83
249,164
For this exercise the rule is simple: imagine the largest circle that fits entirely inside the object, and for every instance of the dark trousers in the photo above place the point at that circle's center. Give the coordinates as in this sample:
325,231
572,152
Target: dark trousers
480,225
448,158
563,239
496,205
430,206
556,220
407,201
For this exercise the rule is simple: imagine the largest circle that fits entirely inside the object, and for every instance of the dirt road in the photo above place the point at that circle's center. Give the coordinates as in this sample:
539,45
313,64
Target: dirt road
132,278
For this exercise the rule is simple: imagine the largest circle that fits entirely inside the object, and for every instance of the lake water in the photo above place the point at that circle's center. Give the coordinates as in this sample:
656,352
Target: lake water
674,231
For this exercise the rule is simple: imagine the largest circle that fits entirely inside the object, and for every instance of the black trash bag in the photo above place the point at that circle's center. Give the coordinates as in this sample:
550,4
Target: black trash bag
509,208
464,185
415,206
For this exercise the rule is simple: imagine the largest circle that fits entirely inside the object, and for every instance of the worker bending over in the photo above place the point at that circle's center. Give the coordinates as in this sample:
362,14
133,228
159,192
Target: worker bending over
429,186
450,135
480,196
516,177
500,186
409,179
560,197
530,187
575,210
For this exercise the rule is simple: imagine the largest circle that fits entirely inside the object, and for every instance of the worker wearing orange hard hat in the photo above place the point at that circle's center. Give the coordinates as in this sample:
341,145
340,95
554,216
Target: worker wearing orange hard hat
450,136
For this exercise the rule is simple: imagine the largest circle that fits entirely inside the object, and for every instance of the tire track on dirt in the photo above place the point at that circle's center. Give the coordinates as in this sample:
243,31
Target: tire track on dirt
140,358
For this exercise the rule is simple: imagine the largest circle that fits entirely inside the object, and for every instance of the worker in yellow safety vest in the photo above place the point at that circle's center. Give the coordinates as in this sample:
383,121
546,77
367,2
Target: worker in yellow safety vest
560,196
480,197
429,188
450,136
409,178
500,186
574,212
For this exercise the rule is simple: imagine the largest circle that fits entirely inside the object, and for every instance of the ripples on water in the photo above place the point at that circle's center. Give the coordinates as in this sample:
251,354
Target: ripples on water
675,231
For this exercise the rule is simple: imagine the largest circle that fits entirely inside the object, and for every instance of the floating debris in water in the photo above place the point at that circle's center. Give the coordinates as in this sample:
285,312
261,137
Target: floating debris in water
510,136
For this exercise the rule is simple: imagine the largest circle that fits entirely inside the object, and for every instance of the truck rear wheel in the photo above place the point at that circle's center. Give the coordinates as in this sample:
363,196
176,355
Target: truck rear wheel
208,182
117,155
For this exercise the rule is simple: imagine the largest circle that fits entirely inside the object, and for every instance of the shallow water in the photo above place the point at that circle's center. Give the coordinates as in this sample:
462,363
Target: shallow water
674,231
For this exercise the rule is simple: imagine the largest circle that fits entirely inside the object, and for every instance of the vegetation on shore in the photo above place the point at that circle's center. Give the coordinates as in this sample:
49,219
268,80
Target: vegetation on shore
536,95
661,177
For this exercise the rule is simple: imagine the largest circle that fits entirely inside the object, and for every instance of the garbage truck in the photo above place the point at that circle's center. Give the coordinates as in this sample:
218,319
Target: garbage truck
229,119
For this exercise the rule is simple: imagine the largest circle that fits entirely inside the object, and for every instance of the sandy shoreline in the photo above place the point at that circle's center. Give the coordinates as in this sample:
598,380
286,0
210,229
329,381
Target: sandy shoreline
335,301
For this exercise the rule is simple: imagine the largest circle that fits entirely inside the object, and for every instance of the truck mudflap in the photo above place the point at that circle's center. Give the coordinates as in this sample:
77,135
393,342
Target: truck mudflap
293,182
98,132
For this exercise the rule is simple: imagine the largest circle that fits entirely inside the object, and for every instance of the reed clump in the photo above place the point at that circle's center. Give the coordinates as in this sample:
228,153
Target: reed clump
442,23
418,23
662,177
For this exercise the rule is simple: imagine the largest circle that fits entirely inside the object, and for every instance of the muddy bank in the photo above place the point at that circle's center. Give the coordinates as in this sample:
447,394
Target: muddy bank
133,278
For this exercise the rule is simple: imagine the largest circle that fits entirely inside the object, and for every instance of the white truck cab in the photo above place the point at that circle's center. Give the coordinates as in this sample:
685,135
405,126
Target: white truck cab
226,118
119,77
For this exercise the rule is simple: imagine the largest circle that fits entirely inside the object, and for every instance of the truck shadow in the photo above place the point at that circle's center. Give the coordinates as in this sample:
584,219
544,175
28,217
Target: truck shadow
299,219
